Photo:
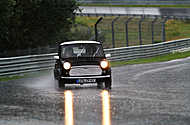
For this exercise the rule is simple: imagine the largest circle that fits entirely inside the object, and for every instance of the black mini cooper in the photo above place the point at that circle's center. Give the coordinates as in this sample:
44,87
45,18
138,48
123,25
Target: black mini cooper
82,62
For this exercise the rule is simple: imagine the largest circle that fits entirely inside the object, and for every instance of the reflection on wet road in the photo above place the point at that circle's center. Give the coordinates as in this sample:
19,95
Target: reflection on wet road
146,94
68,95
106,108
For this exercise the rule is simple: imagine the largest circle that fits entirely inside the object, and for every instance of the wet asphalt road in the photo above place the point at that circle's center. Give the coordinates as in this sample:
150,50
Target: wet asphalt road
94,10
145,94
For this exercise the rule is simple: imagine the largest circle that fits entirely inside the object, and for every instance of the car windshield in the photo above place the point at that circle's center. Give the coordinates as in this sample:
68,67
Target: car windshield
82,50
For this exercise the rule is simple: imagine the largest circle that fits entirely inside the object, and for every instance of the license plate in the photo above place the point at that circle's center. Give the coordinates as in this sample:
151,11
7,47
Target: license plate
87,80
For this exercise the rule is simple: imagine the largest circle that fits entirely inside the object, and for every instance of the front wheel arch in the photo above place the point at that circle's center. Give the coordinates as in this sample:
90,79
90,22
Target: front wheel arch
108,83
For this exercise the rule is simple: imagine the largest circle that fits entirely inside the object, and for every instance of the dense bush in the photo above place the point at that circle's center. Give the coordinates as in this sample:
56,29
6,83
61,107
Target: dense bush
32,23
5,12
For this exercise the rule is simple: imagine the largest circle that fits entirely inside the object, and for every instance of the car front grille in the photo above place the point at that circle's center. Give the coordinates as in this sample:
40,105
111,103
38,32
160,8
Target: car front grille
85,70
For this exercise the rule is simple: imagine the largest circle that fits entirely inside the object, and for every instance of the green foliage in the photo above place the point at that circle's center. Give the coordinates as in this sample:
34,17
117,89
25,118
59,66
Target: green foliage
80,31
32,23
5,9
177,29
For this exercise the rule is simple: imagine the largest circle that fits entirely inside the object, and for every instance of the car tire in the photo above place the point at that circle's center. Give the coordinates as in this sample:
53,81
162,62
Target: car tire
108,84
100,85
61,84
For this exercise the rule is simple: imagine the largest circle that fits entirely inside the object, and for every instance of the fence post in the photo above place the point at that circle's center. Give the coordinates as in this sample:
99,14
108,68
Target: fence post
96,30
113,33
140,36
152,28
163,29
126,30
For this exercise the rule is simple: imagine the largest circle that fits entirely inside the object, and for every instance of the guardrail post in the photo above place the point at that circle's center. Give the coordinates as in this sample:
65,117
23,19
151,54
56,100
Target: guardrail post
126,30
113,33
152,28
140,35
163,29
96,30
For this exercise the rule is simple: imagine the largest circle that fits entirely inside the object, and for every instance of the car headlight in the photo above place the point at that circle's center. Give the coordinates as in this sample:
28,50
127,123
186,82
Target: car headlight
104,64
67,65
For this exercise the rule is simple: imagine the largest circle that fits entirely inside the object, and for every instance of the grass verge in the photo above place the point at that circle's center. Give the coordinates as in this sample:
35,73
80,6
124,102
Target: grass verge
20,76
161,58
8,78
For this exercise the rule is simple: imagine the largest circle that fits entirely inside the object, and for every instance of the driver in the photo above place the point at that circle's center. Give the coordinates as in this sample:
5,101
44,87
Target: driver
91,50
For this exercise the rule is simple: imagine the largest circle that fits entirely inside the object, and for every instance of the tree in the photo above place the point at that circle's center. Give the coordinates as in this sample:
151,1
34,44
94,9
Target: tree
35,23
5,13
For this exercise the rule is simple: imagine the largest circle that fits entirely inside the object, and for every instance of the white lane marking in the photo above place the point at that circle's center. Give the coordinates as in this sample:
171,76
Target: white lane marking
156,70
178,60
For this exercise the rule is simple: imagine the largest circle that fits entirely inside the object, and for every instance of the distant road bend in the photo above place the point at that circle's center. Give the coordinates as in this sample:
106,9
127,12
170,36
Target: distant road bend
180,12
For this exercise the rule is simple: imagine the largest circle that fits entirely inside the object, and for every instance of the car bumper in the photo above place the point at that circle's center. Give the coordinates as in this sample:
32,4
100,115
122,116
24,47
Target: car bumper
77,79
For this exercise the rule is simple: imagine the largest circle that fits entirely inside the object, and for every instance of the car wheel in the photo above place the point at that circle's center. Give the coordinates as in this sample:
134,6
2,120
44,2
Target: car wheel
61,84
100,85
108,84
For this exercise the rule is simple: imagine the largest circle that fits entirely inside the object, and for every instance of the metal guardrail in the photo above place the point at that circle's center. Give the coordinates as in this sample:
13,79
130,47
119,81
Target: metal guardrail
31,63
142,51
24,64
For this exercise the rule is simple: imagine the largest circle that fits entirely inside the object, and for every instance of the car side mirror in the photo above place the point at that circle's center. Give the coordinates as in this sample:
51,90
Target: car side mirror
108,55
56,57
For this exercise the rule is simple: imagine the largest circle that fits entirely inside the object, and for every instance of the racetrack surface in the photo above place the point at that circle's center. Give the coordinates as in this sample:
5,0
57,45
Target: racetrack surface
144,94
156,11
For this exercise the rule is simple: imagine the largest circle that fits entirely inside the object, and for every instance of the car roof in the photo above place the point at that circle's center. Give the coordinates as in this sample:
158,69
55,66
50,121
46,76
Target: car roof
79,42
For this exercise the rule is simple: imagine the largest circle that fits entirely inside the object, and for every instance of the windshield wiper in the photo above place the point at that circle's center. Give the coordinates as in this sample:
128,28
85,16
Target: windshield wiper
79,54
96,52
